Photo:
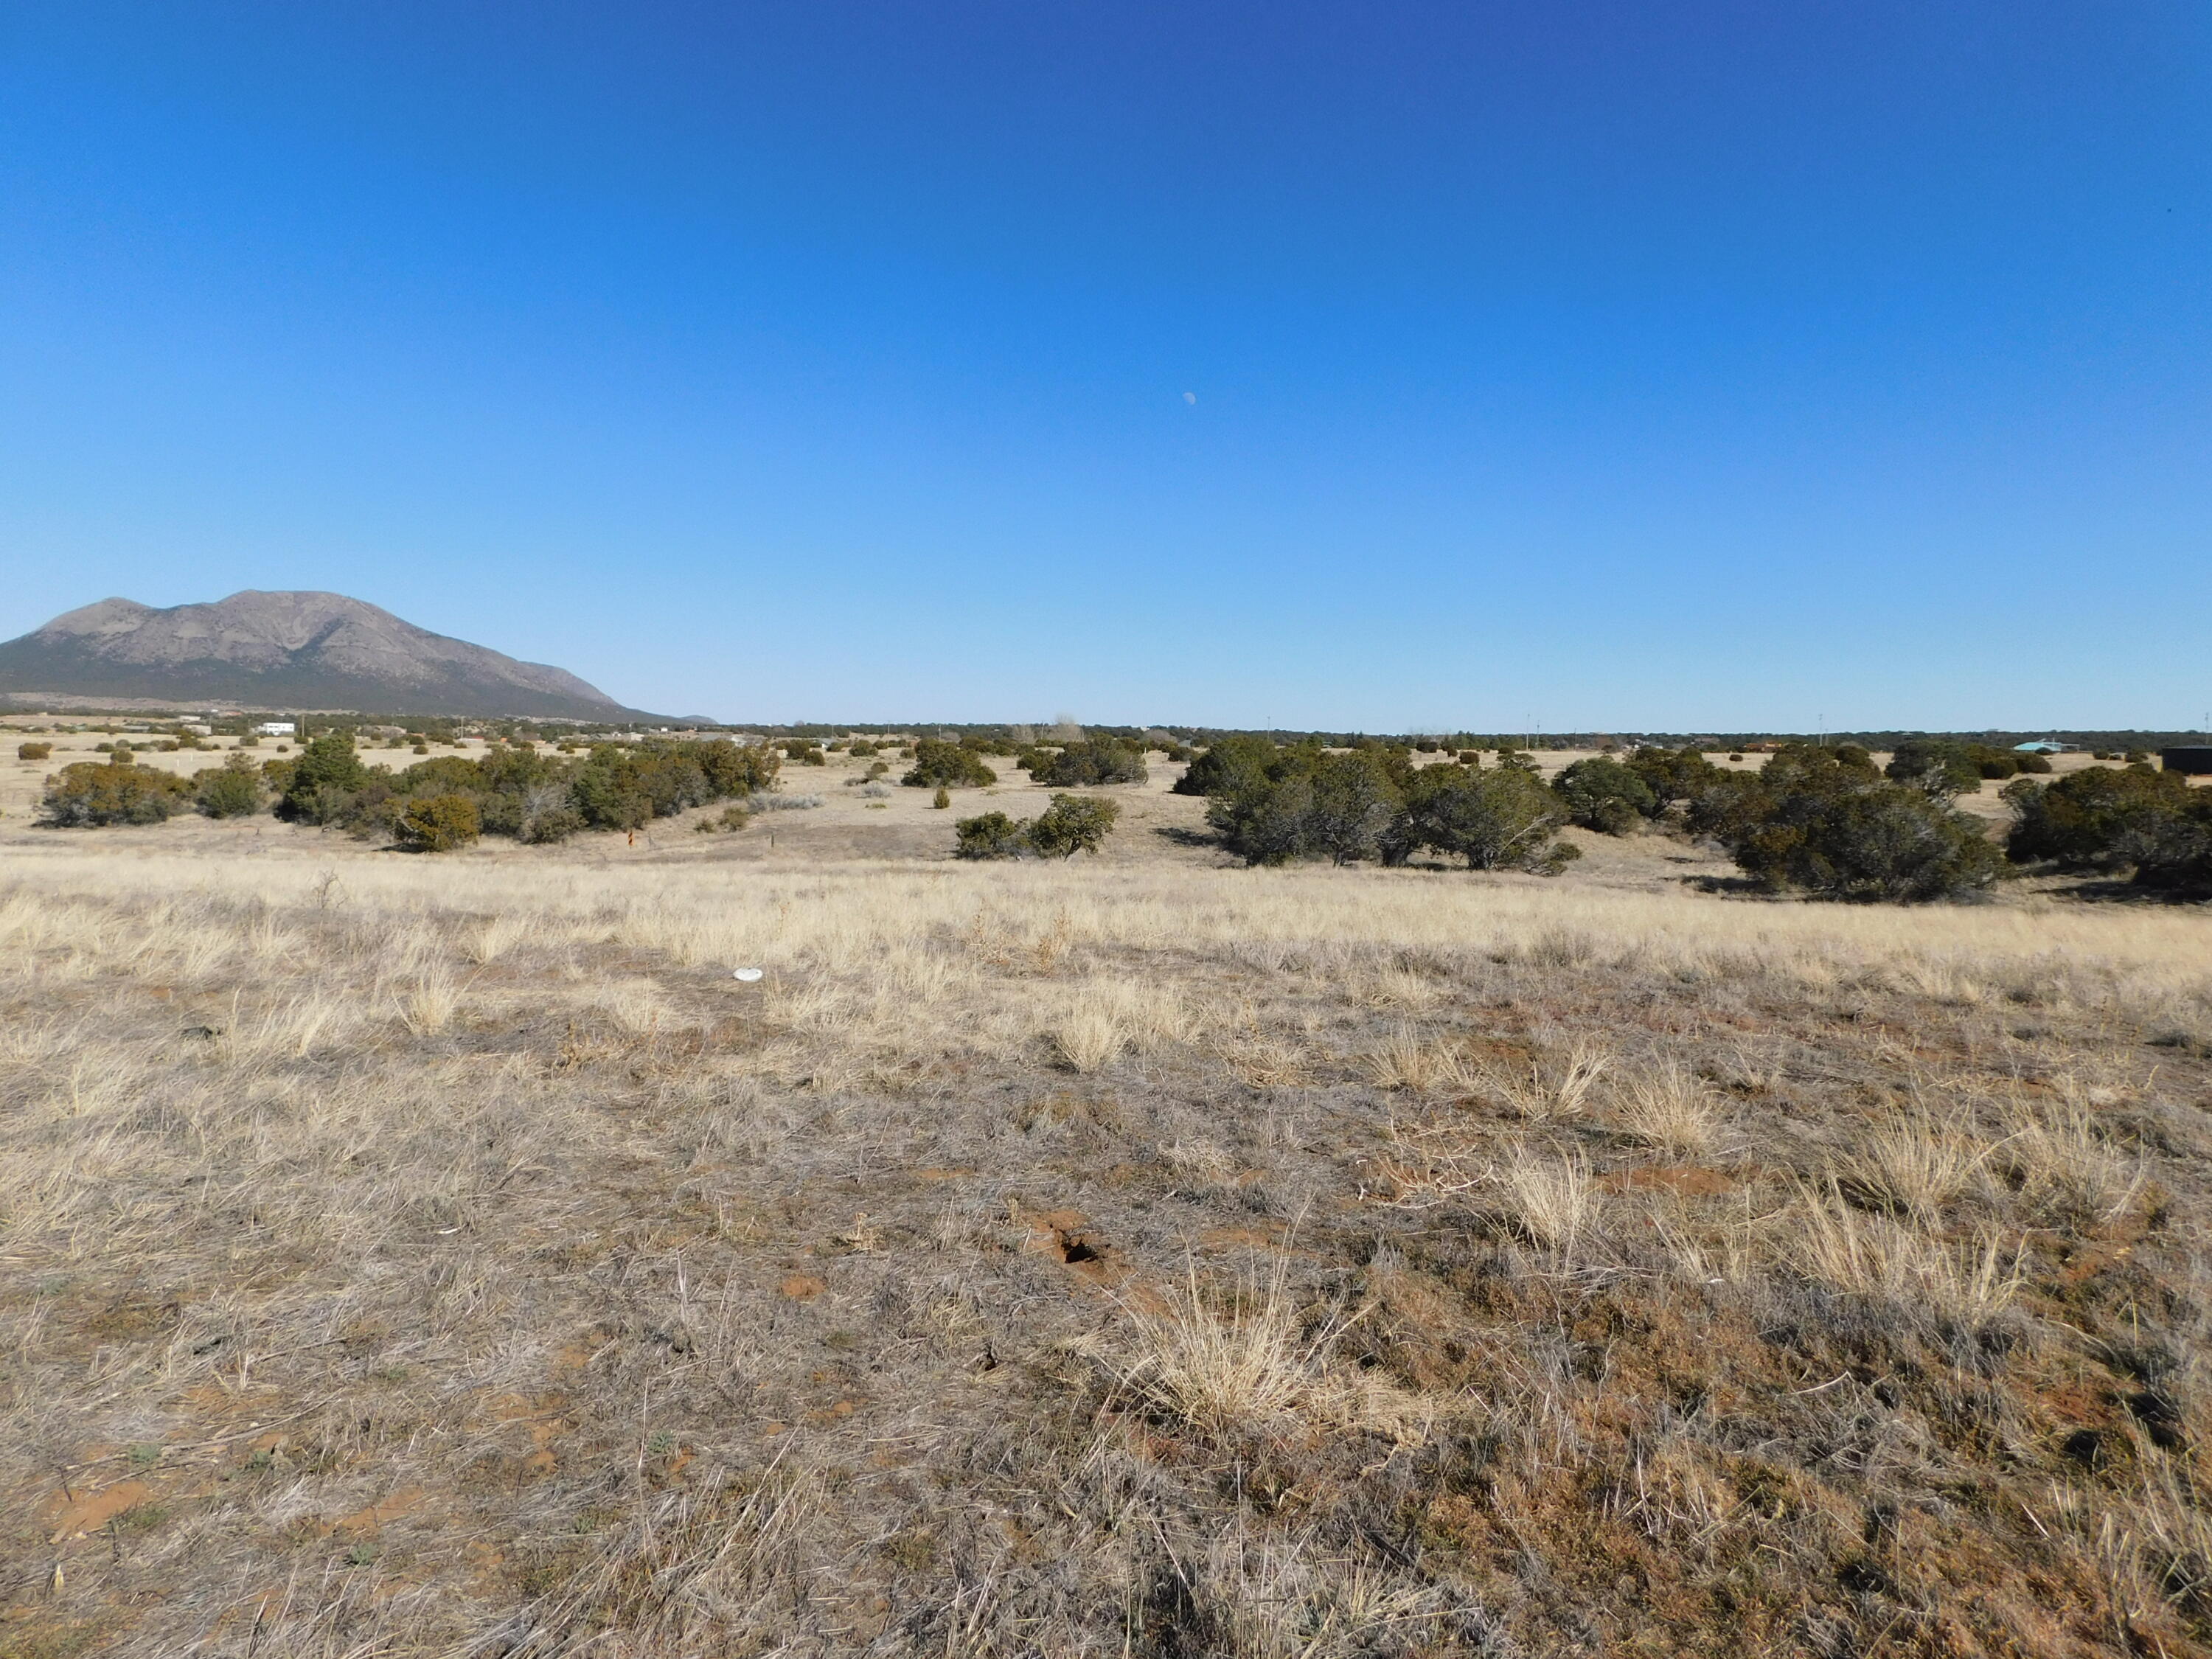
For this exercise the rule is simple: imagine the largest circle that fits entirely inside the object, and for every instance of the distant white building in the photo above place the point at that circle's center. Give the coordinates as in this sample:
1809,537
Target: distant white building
277,728
2044,747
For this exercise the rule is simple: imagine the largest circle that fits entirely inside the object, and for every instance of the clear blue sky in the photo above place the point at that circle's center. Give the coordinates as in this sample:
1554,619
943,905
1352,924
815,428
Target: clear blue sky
1399,366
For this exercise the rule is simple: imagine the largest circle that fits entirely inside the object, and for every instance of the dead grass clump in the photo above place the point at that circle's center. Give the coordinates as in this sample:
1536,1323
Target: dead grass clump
1264,1063
1399,987
494,936
1101,1016
1406,1059
428,1006
1552,1086
1289,1600
2155,1557
1670,1108
2063,1157
1203,1161
1089,1037
1914,1167
1871,1256
1555,1202
1247,1364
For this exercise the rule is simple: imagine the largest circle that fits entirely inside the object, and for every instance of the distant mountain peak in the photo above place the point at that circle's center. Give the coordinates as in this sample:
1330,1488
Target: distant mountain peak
297,650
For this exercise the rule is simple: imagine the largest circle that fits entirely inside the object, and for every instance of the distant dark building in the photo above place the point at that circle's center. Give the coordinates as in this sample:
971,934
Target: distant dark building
2196,763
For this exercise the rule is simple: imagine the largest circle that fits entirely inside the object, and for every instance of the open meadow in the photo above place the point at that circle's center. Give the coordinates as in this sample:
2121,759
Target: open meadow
1133,1255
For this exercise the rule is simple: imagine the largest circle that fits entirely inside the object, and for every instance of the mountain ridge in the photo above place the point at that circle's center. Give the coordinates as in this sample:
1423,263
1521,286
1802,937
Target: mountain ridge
300,649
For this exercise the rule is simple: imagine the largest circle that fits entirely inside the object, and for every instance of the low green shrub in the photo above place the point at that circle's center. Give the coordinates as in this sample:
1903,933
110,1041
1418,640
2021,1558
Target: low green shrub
319,785
233,790
939,765
1505,819
92,794
1806,820
1091,761
437,823
2111,819
1072,824
1225,767
989,836
1674,776
1936,767
1604,795
34,751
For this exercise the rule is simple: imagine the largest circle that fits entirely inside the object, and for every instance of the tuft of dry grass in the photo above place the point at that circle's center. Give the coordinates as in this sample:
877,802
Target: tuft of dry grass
1670,1108
427,1005
495,936
1913,1167
2065,1153
1871,1256
1249,1364
1406,1059
1552,1086
1554,1201
1090,1038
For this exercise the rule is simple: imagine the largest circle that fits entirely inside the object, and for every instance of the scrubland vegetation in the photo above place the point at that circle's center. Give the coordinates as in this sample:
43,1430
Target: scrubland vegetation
1822,820
434,805
419,1256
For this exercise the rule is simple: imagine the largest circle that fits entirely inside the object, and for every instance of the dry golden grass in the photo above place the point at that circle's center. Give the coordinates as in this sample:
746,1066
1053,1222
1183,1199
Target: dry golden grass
412,1258
1969,1281
1913,1167
1554,1201
1255,1366
1669,1107
1552,1086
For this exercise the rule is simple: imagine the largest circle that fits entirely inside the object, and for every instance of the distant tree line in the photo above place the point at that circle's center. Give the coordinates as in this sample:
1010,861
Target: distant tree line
1816,818
513,790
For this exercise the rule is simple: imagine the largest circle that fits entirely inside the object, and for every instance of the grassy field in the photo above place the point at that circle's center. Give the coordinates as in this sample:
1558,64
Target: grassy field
1138,1256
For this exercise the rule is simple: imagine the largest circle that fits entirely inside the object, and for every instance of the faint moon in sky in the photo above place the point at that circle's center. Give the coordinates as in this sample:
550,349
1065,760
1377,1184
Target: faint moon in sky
1190,396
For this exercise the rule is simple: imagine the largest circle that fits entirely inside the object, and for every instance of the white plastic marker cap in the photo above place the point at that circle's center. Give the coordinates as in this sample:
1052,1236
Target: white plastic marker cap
747,974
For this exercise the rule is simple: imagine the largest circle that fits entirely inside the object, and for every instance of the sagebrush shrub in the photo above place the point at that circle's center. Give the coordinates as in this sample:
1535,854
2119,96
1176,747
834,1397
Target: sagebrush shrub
34,751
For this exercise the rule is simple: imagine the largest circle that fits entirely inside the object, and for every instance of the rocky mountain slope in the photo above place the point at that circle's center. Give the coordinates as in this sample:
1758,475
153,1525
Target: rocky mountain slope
286,651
